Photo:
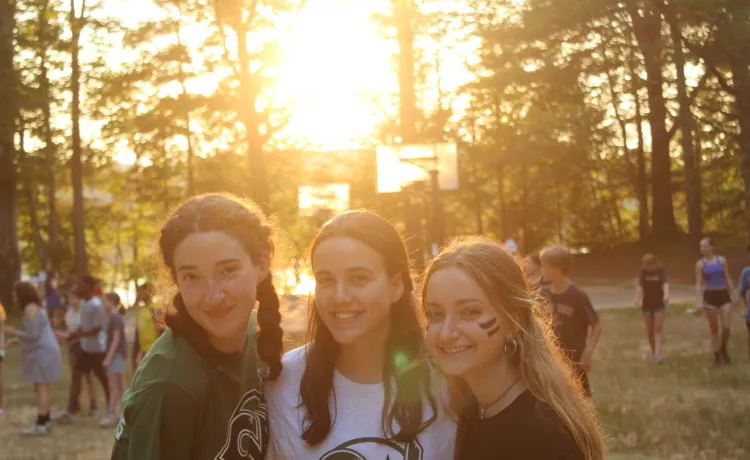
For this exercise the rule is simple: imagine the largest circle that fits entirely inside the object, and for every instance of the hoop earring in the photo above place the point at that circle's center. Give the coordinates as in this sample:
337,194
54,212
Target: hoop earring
512,343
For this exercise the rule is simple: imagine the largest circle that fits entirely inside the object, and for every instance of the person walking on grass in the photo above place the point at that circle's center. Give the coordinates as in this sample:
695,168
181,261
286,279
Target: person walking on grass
652,297
715,292
114,362
743,290
41,363
575,322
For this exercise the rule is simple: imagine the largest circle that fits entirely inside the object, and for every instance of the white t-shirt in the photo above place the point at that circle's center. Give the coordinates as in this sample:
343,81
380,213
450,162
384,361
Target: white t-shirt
357,431
73,319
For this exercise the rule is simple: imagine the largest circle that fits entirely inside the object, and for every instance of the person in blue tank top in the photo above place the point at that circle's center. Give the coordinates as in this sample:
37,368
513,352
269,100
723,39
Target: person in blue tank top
743,289
716,295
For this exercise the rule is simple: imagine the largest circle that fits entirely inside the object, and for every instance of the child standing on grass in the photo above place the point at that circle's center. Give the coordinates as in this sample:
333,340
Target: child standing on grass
744,288
652,296
575,321
114,362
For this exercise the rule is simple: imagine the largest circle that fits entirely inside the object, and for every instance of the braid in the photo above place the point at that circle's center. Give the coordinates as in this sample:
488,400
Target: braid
270,336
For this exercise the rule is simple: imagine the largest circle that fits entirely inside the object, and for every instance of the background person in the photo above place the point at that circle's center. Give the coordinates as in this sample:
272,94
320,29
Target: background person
41,363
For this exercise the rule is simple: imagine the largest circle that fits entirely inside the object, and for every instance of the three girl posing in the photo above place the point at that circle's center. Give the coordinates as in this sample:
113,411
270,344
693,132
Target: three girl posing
359,388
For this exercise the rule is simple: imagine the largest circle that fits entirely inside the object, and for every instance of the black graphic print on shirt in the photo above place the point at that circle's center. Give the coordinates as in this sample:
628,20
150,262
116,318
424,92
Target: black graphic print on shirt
247,434
365,449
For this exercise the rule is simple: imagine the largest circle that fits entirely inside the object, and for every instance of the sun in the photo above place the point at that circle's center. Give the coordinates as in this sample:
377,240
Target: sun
334,59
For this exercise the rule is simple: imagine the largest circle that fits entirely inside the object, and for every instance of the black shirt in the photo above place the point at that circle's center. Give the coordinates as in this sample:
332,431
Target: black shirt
572,315
652,282
525,430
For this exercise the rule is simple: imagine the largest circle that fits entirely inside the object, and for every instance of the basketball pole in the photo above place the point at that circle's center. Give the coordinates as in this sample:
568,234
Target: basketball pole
437,212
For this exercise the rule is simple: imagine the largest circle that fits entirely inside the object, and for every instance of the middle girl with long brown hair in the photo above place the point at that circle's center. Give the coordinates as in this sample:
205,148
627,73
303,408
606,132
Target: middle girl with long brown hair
515,396
354,391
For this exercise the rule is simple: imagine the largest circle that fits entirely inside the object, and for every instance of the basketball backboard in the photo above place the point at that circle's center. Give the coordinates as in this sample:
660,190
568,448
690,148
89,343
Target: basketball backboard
325,197
403,164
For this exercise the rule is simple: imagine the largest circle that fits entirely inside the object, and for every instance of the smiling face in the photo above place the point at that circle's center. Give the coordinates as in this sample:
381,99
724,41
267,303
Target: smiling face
353,290
464,332
218,282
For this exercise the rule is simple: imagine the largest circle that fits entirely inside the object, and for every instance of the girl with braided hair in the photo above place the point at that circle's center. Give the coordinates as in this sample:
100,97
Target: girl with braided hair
198,391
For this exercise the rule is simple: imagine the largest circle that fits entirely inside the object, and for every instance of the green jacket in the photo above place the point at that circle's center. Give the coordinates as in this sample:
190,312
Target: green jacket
181,407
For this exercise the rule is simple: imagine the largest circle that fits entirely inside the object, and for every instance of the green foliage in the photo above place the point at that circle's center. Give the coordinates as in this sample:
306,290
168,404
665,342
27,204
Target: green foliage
547,127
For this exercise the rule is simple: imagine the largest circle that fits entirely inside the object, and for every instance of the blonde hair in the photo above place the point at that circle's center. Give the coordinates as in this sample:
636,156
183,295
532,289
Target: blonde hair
559,257
542,366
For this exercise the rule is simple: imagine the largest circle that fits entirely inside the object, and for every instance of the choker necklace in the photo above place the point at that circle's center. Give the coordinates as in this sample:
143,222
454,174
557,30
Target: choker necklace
483,407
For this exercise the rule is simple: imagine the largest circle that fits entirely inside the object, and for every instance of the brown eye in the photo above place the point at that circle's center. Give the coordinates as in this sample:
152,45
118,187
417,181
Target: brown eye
433,316
324,281
471,313
359,280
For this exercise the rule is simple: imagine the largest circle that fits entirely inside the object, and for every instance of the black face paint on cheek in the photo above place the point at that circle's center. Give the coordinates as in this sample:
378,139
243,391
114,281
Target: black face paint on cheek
488,326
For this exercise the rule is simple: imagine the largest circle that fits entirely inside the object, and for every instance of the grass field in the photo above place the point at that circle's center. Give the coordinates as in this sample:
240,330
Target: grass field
681,409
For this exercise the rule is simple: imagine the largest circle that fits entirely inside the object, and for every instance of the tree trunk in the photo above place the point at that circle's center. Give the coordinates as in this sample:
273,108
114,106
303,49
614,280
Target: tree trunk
30,192
525,205
559,214
403,13
250,119
188,133
615,99
685,121
474,184
739,57
478,211
10,267
501,198
500,169
741,80
53,228
644,227
647,31
79,229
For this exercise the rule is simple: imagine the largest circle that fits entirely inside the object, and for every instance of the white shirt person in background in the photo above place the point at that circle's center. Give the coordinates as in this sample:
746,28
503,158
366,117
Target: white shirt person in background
357,389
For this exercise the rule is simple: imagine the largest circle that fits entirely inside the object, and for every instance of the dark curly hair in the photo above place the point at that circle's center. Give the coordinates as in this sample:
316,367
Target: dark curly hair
244,222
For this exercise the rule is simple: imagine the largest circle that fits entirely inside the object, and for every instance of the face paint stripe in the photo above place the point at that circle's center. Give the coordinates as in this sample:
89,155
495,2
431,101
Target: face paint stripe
488,324
493,331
